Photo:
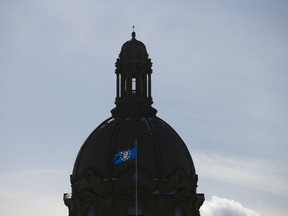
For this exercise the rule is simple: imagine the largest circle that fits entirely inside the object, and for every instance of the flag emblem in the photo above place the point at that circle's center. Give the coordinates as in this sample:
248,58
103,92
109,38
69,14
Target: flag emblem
125,155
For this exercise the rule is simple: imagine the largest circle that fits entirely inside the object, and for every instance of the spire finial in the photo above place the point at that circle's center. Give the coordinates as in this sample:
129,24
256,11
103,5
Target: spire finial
133,33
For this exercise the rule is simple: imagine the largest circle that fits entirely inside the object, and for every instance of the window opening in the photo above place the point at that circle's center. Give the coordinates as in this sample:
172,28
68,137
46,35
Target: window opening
89,212
133,86
179,212
132,211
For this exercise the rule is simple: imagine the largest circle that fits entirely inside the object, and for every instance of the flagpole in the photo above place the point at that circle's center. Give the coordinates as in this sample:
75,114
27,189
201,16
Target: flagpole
136,179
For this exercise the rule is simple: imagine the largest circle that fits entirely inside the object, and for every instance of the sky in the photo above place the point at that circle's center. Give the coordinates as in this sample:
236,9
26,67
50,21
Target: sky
219,79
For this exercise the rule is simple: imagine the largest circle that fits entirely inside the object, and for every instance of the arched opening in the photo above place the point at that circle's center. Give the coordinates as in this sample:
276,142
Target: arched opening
132,211
179,212
89,212
134,87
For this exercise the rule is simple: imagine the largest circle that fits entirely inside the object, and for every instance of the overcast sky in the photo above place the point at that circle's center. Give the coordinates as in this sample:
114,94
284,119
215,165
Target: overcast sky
220,72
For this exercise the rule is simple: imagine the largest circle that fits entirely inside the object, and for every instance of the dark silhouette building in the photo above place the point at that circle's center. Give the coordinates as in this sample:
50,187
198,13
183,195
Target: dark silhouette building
159,170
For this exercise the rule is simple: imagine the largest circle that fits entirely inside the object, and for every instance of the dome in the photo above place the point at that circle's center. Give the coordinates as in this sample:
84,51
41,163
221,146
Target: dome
134,159
161,155
133,50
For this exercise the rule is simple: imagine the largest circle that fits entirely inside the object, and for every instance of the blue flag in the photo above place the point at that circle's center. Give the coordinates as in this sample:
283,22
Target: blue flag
125,155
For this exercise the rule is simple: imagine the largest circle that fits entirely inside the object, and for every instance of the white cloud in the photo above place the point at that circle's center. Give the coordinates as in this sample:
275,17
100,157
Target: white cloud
32,205
218,206
34,192
270,176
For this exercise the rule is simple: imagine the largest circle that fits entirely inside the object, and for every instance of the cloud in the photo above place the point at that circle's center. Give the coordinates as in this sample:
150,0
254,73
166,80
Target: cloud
269,176
218,206
34,192
32,205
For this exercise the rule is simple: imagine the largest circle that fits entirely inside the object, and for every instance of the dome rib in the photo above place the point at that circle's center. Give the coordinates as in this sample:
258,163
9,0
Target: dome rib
157,174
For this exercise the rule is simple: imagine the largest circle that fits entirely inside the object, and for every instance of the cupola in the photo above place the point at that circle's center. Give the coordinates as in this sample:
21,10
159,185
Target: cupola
133,80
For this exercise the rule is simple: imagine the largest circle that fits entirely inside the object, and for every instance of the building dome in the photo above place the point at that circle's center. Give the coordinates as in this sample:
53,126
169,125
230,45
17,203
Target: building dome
134,163
162,157
133,50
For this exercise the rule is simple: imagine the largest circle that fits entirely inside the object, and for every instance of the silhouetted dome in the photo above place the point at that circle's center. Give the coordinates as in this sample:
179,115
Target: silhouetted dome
162,155
133,50
164,180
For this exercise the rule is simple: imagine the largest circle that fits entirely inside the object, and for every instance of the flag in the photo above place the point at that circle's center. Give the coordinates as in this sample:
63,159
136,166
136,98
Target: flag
125,155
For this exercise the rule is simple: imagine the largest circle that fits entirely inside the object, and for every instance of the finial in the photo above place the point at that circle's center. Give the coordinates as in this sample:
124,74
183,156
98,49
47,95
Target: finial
133,33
